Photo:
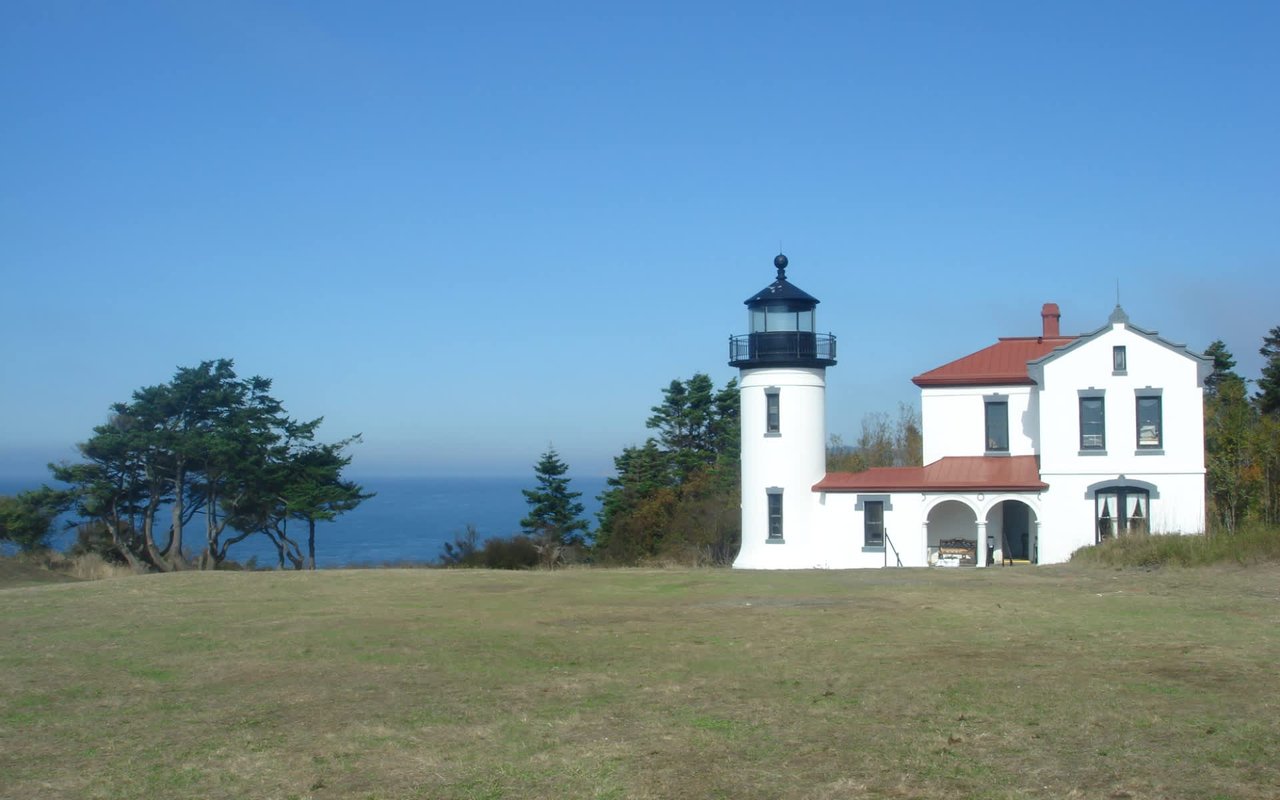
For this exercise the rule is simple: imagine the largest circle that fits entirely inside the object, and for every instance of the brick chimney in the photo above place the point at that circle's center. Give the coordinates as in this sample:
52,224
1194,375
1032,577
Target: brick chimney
1050,316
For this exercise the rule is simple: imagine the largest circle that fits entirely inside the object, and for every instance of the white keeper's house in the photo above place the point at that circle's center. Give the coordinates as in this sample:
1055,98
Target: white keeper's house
1034,447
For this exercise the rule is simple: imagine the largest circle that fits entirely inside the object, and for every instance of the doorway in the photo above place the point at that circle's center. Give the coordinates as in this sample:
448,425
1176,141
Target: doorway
1016,530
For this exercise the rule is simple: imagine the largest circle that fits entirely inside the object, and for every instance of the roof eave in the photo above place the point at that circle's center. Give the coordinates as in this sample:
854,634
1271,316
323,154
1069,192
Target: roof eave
924,382
939,488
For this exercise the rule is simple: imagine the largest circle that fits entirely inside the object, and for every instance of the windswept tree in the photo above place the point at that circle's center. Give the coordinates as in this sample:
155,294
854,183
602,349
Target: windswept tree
26,519
206,443
555,515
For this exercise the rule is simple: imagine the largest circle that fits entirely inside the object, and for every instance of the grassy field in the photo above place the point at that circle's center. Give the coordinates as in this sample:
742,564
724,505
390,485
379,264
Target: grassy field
1001,683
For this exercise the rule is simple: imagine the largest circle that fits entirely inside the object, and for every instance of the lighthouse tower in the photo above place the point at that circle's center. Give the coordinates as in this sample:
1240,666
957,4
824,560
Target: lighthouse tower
783,382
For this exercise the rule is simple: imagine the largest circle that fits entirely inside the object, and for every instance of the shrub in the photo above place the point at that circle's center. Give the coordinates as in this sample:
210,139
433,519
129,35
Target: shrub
93,567
1251,544
518,552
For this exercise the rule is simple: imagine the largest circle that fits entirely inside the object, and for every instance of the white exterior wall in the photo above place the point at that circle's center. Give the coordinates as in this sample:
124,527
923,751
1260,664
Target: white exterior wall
1177,506
839,529
1176,469
793,460
953,420
826,529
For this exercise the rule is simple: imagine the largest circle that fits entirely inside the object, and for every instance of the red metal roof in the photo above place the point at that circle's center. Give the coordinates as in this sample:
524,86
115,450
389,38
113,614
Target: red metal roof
1002,364
952,474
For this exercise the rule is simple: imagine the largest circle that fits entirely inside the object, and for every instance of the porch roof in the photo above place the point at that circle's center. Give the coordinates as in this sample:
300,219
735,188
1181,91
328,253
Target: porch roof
952,474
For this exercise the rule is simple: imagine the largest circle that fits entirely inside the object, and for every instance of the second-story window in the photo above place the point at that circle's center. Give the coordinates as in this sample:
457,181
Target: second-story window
1150,424
1093,433
997,427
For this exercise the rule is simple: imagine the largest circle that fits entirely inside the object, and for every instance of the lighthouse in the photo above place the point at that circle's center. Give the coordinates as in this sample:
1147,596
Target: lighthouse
782,365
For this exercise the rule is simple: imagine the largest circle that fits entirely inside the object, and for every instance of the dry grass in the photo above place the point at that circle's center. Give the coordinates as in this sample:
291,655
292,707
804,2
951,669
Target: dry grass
1052,682
1252,544
51,566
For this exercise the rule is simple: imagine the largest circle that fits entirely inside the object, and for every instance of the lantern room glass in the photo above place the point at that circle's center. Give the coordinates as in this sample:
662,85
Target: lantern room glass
771,318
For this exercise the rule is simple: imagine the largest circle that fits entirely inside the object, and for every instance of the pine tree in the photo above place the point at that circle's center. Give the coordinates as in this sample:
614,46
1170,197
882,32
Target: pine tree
1268,396
1223,366
677,496
555,516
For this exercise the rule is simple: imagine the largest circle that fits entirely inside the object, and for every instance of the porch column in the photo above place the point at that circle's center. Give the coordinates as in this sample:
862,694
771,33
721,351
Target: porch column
1034,544
924,542
982,544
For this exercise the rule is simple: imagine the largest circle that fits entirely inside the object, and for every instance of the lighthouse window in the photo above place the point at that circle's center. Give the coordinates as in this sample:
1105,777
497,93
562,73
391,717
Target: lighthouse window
775,515
772,423
780,318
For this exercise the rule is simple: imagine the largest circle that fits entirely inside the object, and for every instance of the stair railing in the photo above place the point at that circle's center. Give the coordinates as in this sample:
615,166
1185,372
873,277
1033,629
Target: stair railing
889,542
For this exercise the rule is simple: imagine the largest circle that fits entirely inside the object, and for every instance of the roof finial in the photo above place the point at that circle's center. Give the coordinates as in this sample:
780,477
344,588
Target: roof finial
1118,315
781,263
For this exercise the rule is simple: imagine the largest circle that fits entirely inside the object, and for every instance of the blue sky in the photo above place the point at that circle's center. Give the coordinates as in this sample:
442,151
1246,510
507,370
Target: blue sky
471,230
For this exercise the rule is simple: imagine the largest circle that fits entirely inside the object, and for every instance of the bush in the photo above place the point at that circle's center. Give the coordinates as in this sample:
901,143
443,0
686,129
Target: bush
93,567
464,550
1253,544
516,552
94,538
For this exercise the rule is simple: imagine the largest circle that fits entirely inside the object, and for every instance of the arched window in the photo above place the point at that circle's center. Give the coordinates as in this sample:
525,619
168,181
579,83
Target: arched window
1122,510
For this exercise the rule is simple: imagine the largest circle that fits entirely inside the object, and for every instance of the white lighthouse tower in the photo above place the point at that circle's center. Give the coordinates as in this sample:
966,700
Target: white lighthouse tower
783,382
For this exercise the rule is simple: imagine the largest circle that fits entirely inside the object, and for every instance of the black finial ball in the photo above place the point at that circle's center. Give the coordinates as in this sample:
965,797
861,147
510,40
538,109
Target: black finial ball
780,262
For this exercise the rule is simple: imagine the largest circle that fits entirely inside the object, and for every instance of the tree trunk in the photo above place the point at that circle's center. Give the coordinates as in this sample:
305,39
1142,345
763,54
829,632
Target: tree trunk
148,535
175,533
113,527
311,542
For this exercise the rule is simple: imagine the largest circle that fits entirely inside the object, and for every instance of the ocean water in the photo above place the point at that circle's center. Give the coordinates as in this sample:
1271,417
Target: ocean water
409,520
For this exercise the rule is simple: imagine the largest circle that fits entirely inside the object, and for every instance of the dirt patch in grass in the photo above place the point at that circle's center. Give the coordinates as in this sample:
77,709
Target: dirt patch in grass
1012,683
25,571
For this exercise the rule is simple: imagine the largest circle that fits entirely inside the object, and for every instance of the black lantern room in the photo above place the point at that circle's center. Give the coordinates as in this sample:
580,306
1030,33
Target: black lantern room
782,329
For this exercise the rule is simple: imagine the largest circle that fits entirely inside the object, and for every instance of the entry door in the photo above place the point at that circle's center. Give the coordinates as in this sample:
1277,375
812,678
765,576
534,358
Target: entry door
1017,531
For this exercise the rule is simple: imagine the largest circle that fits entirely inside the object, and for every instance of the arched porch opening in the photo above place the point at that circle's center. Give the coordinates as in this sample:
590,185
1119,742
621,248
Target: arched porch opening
952,539
1012,533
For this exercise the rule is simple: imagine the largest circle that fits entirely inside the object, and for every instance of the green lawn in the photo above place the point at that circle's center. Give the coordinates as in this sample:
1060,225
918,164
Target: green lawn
1001,683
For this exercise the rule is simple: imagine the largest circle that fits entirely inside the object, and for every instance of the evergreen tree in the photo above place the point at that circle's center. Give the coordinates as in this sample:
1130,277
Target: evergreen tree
696,425
1268,396
641,473
1223,366
206,442
555,516
677,496
26,519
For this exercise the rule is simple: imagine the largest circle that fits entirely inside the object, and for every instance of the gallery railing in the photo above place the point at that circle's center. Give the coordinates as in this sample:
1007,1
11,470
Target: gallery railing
782,346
